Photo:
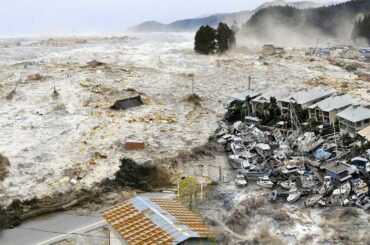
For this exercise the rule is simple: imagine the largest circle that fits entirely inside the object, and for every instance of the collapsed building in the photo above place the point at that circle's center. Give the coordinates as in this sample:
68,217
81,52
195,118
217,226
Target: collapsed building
364,54
269,49
294,163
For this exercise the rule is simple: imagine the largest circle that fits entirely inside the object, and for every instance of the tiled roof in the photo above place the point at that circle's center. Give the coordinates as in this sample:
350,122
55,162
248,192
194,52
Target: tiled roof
144,221
184,215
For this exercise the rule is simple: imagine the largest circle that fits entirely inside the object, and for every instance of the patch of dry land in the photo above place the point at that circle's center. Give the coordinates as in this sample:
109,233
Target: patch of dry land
72,139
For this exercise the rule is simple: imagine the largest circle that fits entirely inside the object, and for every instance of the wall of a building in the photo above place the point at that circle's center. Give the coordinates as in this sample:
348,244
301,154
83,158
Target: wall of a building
116,239
198,241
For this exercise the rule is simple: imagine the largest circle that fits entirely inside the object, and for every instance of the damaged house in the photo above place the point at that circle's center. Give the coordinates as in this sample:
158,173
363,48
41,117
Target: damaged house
326,110
305,98
364,54
265,98
339,172
269,49
353,119
241,96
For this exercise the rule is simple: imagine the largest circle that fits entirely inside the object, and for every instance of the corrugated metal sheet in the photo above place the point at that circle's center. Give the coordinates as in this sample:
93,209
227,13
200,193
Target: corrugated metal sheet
355,113
308,95
145,221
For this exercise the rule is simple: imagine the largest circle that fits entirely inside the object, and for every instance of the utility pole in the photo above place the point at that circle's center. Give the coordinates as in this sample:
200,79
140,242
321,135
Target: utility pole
220,173
192,86
249,82
336,145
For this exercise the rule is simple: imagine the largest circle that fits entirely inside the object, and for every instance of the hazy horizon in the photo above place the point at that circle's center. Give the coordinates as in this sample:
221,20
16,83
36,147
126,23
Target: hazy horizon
83,17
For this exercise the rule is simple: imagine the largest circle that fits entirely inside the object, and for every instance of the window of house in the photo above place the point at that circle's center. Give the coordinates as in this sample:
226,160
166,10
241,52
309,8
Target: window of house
367,121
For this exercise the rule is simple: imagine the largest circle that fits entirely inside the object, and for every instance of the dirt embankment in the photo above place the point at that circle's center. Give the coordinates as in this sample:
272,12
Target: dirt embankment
130,177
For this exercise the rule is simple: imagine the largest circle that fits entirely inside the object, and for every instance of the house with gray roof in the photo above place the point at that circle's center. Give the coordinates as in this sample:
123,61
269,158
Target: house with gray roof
354,119
243,95
264,98
305,98
326,110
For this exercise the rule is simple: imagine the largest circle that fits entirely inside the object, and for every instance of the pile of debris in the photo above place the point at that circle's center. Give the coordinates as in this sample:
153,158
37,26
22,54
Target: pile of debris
295,164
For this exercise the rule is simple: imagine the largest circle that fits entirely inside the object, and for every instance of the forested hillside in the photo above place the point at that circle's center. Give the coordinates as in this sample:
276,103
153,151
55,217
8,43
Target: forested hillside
335,21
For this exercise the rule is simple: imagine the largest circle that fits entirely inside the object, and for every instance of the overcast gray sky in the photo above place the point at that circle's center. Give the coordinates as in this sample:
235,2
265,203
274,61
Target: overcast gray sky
27,17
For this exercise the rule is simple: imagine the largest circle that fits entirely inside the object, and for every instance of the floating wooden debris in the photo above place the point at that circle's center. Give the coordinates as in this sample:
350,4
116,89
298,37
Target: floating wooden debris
11,95
94,63
127,103
134,145
34,77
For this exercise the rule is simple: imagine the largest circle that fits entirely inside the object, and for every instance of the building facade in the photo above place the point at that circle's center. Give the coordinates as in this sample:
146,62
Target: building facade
353,119
305,98
326,110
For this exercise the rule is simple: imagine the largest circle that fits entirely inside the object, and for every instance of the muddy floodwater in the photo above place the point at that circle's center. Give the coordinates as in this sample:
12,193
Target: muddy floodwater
71,139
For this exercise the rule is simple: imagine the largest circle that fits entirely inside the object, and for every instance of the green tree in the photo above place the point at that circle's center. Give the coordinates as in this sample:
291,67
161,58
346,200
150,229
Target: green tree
225,37
189,189
361,29
205,40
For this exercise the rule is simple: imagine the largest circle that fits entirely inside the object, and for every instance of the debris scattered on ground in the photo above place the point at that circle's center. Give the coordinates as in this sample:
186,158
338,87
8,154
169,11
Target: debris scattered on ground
194,98
12,93
296,165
